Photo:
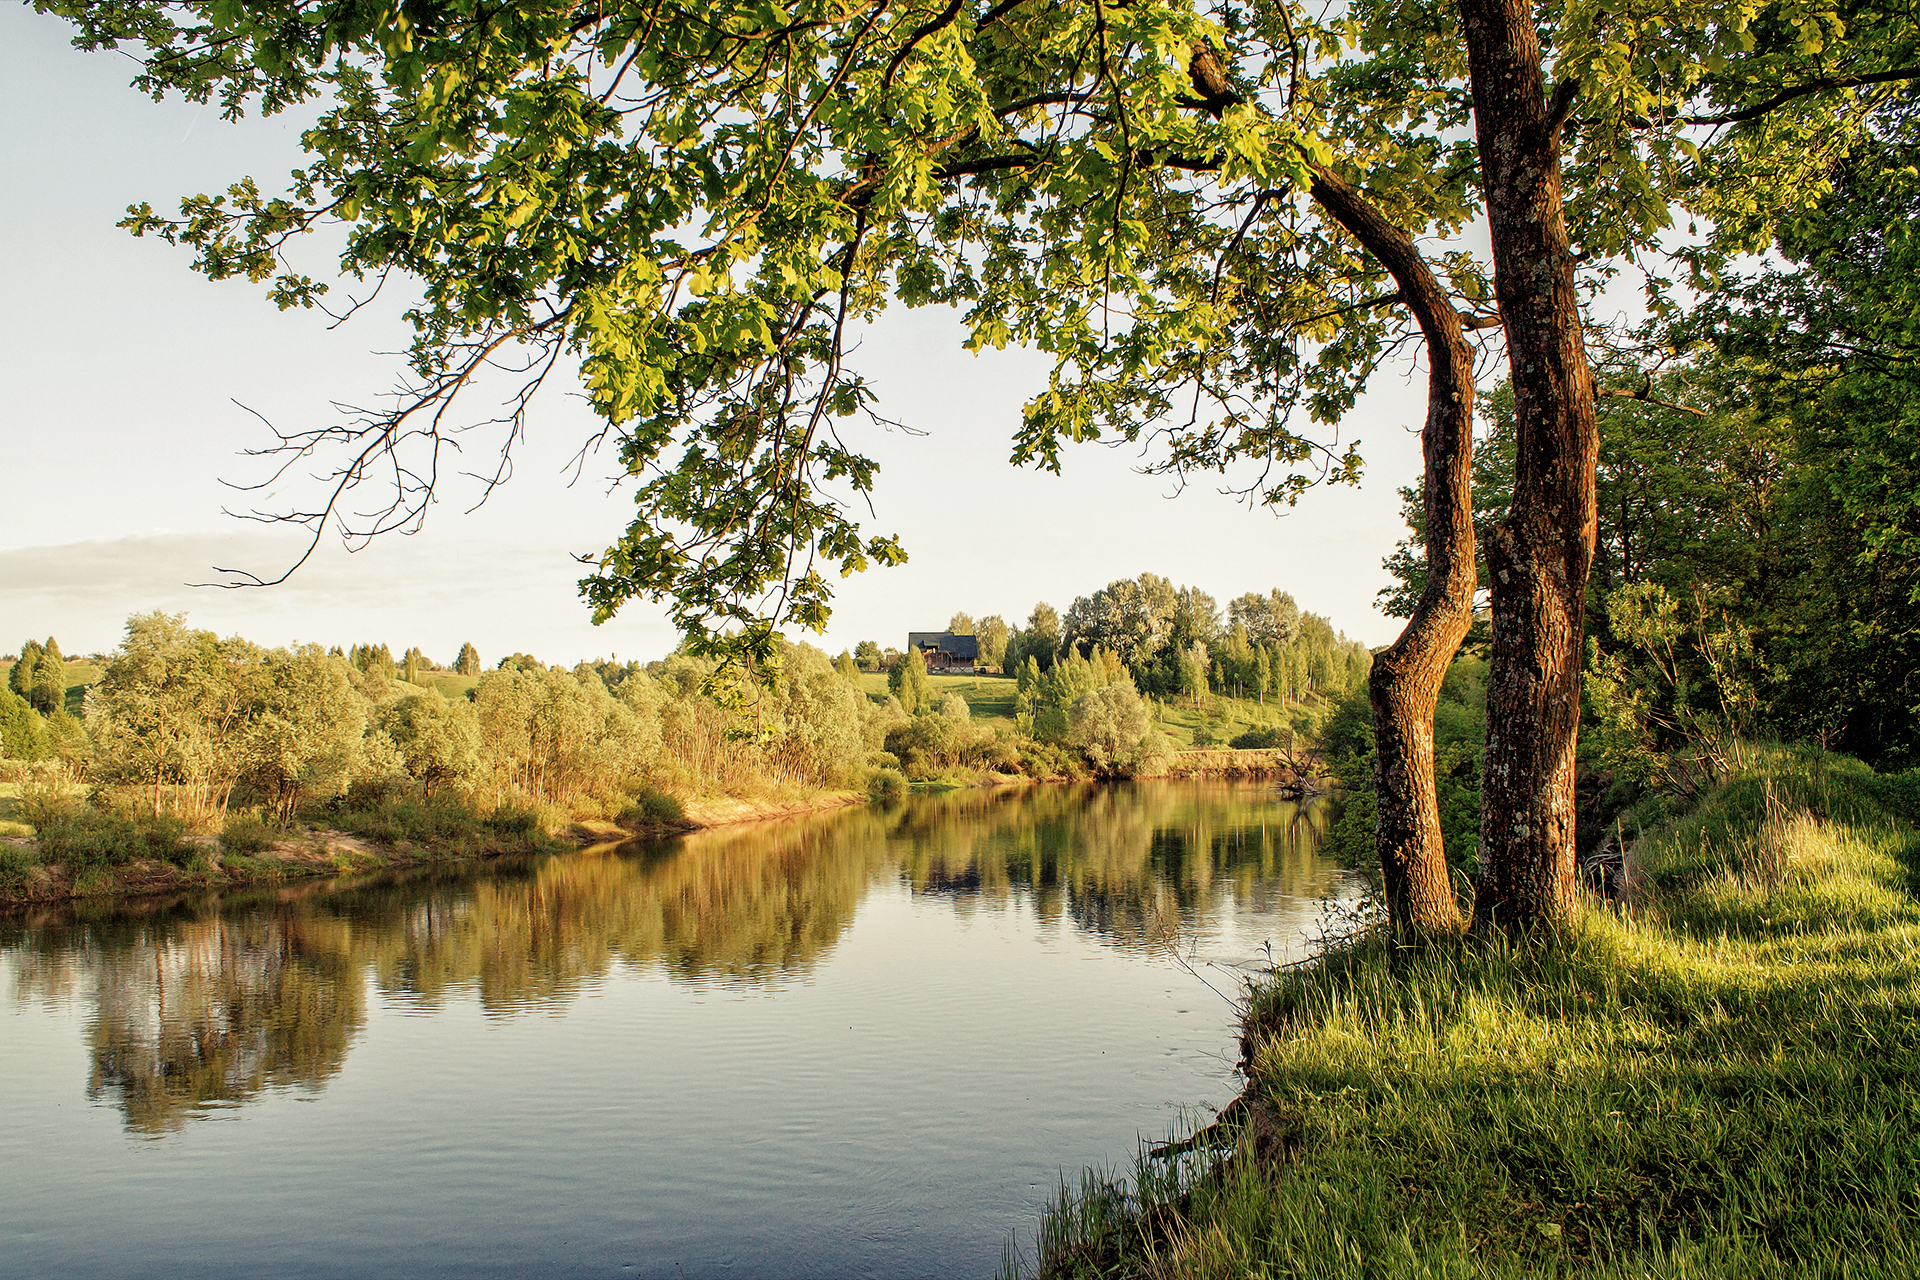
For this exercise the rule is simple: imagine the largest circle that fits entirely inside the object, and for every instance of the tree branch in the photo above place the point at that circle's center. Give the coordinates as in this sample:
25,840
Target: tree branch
1800,91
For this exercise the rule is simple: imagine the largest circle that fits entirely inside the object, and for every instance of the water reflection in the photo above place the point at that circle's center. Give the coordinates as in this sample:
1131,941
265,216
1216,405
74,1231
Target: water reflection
198,1006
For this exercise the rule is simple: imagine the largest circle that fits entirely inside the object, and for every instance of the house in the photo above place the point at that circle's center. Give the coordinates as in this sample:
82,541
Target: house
944,651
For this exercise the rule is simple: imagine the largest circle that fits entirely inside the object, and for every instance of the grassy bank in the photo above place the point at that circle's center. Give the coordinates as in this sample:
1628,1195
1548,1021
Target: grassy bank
1718,1083
86,853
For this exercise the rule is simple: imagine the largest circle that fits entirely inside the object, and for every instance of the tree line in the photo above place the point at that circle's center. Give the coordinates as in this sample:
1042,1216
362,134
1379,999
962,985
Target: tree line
188,723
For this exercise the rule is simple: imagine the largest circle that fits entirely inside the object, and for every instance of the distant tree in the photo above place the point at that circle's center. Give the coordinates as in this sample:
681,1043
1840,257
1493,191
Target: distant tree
1269,619
994,634
1027,694
20,674
961,624
303,736
846,666
521,662
40,676
438,739
1039,640
373,659
23,734
1193,673
1130,617
908,682
1112,728
468,663
868,655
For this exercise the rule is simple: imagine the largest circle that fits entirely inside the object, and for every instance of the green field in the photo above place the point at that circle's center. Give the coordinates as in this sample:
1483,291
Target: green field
988,697
451,685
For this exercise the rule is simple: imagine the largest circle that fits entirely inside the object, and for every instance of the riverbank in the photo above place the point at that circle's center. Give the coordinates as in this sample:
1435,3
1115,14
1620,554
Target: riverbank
397,837
410,834
1716,1080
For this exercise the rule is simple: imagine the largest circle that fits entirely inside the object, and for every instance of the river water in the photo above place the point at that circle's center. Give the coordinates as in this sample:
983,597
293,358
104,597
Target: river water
862,1044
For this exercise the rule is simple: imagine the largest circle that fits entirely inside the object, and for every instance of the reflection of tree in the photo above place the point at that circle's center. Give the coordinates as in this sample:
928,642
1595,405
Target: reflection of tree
191,1011
745,904
1136,865
197,1007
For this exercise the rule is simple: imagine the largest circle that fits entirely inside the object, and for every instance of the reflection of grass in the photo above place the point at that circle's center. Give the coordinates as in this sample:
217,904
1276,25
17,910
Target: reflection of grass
1721,1086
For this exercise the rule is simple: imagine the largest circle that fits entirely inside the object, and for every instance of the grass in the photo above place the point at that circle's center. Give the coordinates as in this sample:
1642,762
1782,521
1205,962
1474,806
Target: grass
453,686
1719,1085
10,822
1223,719
989,697
88,841
445,828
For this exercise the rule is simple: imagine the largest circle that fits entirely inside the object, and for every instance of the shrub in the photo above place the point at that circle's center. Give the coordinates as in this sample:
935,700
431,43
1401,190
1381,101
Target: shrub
651,808
39,807
246,833
513,820
886,784
402,819
1266,739
16,868
89,840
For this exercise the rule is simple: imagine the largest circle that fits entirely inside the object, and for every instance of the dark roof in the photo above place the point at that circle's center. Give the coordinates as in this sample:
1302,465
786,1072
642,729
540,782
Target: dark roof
946,642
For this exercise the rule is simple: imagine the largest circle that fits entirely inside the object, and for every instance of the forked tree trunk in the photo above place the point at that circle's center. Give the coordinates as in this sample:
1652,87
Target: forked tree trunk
1404,687
1539,558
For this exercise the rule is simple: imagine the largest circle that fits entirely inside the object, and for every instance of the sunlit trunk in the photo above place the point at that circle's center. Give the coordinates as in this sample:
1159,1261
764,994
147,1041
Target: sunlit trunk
1539,558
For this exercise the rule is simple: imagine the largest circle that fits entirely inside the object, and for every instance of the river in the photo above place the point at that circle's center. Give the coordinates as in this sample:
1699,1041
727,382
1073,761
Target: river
861,1044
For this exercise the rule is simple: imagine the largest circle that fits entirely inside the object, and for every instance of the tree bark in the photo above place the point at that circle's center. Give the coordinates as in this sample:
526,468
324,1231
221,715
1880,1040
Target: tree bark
1539,557
1404,686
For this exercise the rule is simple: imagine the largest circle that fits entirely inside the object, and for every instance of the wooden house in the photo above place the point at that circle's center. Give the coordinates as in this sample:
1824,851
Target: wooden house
944,651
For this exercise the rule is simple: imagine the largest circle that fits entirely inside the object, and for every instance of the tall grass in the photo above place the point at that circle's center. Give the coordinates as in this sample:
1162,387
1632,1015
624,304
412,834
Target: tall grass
1718,1082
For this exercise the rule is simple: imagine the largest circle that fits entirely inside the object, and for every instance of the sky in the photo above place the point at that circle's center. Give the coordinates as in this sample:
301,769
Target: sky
133,386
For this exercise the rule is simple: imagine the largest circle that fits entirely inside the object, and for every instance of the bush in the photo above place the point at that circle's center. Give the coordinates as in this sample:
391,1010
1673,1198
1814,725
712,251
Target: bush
89,840
1267,739
651,808
512,820
406,819
16,868
246,833
886,784
39,808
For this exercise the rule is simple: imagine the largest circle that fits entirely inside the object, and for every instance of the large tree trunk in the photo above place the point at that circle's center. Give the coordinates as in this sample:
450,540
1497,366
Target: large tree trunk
1539,558
1405,684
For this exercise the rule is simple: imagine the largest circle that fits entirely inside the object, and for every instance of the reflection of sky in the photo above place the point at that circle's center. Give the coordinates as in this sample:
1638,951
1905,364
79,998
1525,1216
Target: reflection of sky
889,1100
